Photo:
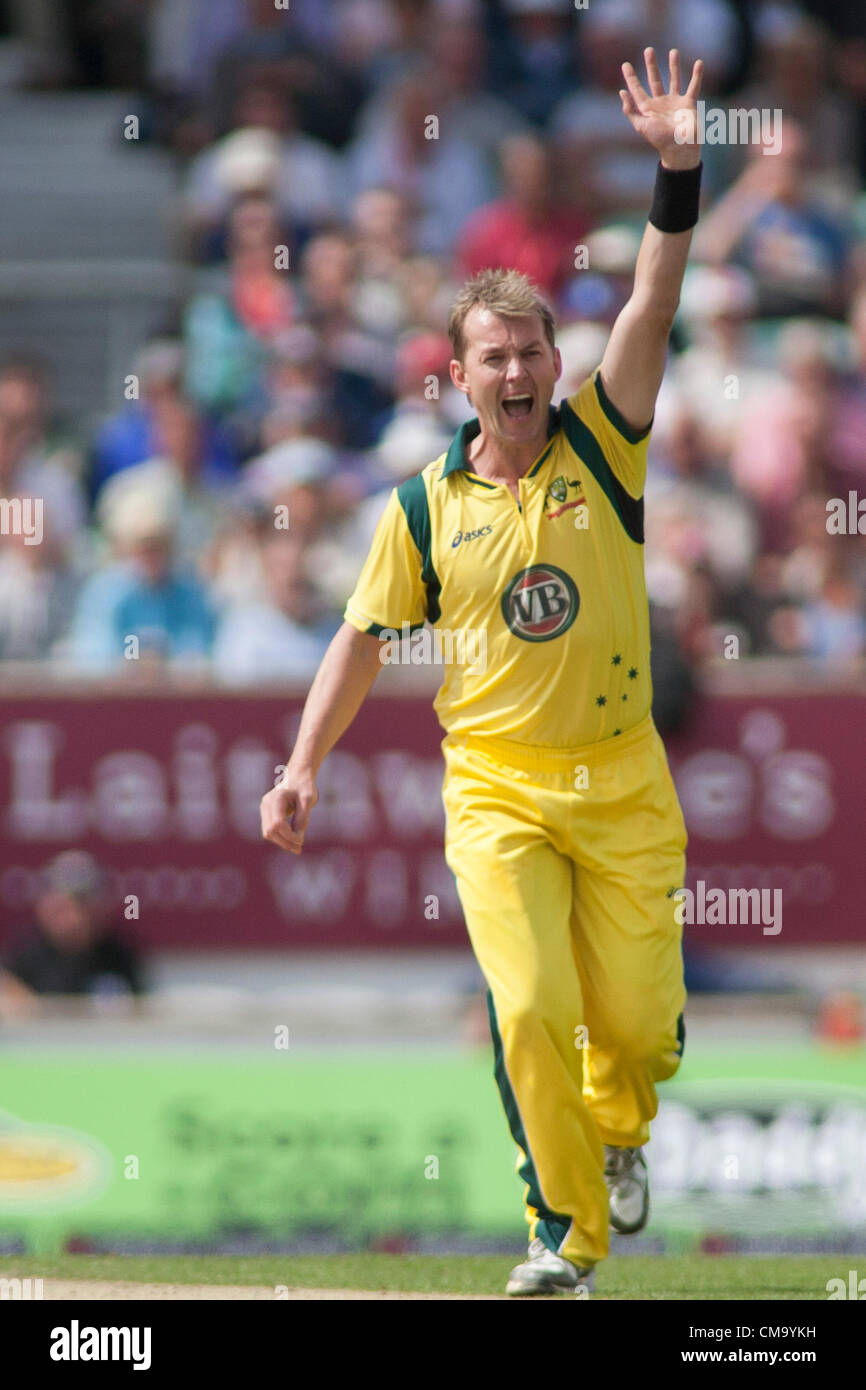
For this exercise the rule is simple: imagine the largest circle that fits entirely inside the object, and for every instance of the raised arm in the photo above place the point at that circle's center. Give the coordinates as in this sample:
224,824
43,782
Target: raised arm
634,360
348,670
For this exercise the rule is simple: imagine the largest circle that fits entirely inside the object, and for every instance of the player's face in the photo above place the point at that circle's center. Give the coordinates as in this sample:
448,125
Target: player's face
508,371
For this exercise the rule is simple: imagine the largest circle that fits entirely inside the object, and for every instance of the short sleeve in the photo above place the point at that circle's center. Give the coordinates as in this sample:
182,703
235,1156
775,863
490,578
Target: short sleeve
624,448
390,590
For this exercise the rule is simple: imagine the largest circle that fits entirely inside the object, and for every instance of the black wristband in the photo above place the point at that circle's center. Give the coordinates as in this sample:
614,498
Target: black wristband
676,198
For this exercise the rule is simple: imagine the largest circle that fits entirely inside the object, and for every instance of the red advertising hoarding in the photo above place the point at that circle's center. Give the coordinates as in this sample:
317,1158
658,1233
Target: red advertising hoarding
164,790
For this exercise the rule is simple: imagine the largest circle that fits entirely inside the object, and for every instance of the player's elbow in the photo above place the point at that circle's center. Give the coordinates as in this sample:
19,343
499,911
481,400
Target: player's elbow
365,647
656,312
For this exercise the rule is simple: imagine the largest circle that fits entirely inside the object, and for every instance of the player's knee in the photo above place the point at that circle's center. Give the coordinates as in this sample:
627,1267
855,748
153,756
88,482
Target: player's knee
535,1021
639,1039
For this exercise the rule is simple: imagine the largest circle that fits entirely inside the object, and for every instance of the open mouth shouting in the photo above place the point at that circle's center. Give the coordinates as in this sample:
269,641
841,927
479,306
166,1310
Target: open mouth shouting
518,407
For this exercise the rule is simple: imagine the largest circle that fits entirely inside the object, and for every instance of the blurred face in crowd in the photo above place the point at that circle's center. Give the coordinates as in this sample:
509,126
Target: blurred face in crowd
416,98
602,49
151,556
22,402
796,62
328,271
809,524
265,107
160,368
509,370
379,218
781,175
283,562
526,166
253,230
458,55
306,503
13,443
857,319
425,292
70,921
179,437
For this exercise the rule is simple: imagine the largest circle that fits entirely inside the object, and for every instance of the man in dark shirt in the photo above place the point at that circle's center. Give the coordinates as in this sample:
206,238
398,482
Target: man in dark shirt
71,949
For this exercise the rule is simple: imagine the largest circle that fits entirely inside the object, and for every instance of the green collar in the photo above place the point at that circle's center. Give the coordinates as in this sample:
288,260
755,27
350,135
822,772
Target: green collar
456,457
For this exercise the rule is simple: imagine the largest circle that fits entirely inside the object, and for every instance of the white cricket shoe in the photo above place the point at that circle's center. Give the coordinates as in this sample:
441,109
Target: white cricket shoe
546,1272
625,1173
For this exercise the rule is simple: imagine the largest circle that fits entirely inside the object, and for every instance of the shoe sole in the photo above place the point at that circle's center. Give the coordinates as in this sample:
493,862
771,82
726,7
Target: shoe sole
540,1293
515,1290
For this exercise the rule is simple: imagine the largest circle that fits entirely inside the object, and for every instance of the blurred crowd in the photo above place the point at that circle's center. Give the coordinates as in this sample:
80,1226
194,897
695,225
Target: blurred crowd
342,166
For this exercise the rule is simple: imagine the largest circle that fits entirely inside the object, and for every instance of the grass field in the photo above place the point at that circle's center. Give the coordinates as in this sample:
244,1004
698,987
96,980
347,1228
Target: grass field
710,1277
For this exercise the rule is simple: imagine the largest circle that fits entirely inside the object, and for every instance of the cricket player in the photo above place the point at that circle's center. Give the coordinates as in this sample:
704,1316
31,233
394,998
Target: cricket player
563,828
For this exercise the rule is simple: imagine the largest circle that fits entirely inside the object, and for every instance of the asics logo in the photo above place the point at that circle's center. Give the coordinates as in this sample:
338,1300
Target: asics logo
470,535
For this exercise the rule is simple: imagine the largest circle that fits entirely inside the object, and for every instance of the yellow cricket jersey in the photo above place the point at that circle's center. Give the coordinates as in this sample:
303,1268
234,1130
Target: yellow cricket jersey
540,606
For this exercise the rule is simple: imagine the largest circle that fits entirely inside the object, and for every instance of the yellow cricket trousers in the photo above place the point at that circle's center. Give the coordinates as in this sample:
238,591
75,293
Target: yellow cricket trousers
566,863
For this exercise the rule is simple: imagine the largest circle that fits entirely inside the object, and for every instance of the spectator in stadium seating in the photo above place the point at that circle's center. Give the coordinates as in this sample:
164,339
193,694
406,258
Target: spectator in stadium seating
360,360
581,346
211,29
424,387
428,290
532,63
604,167
457,46
813,557
71,948
808,602
33,461
293,48
135,433
140,613
846,453
780,442
440,170
774,223
702,535
793,72
530,228
599,289
385,37
718,376
263,153
37,596
380,227
300,394
419,430
458,51
284,636
231,324
294,475
834,625
197,502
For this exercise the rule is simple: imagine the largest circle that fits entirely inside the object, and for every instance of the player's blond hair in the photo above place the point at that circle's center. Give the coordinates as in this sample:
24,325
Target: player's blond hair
504,292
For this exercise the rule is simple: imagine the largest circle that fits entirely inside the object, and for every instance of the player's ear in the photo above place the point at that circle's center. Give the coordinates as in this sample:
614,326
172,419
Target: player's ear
458,375
557,358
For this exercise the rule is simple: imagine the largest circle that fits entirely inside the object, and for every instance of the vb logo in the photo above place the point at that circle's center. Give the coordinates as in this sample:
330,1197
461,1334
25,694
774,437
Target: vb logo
540,603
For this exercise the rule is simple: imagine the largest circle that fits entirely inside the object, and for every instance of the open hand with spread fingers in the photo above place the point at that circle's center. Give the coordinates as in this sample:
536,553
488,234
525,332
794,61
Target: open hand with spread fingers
666,120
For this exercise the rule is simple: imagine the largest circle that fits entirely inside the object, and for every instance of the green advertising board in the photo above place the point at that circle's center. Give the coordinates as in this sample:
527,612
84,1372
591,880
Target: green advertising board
218,1146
